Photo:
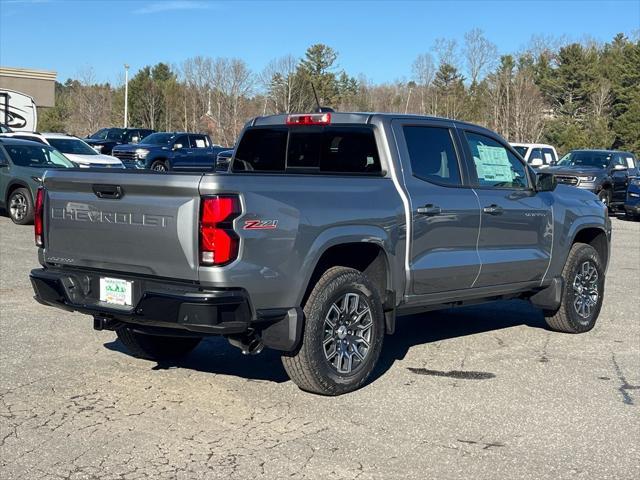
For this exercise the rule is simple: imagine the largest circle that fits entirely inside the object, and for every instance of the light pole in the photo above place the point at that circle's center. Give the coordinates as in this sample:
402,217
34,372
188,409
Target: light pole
126,95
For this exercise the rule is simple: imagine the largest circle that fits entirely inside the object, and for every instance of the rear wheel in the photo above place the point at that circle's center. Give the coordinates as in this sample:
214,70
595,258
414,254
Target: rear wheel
344,330
20,206
160,166
156,347
582,294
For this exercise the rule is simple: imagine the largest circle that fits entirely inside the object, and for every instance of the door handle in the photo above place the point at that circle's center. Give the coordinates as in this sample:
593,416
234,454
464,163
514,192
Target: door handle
108,191
493,209
429,209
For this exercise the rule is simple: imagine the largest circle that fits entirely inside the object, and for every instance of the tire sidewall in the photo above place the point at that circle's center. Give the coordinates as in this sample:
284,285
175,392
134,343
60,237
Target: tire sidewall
28,218
584,253
315,312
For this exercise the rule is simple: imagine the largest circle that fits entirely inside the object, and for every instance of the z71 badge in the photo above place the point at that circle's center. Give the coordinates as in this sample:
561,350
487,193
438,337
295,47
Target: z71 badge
260,224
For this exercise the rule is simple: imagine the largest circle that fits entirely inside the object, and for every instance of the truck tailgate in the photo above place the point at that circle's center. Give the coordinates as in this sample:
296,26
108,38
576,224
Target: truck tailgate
149,229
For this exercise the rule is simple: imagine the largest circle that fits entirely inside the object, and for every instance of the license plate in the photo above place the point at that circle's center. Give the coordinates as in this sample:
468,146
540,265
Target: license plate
115,290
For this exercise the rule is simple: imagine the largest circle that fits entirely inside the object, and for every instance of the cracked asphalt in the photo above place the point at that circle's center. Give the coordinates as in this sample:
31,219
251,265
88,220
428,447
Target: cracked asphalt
483,392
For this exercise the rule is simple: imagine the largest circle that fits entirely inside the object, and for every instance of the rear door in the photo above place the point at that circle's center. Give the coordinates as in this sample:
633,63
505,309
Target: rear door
517,222
123,222
445,214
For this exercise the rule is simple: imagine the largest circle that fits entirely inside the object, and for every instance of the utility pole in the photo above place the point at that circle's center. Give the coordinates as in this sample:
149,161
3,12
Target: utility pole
126,95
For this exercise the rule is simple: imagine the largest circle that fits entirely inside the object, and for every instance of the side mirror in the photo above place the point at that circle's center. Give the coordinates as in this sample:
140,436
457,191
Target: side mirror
546,182
177,146
536,162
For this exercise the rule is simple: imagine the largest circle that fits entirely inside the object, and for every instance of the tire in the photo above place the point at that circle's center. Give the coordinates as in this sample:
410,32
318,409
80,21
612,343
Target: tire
160,166
604,196
578,312
20,206
333,357
155,347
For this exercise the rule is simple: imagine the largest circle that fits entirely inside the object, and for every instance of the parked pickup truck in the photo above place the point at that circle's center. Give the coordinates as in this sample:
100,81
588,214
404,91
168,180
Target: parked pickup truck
325,229
162,152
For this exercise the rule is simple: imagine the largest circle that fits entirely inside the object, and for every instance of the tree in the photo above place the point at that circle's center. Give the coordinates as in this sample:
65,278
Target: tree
479,53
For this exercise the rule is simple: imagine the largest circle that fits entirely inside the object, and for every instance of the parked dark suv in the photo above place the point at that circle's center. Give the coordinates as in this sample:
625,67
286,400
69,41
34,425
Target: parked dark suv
106,138
606,173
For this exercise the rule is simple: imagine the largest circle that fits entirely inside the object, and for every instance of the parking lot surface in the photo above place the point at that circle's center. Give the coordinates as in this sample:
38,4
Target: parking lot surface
482,392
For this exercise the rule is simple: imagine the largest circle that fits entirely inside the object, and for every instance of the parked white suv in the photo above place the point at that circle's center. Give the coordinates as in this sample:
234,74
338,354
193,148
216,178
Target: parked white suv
75,149
538,155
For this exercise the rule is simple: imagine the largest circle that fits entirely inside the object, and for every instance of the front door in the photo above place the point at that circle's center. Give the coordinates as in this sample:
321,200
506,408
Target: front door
516,230
444,211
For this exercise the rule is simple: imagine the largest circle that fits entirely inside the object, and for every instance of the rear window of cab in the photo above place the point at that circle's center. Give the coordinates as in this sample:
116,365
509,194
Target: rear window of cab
315,149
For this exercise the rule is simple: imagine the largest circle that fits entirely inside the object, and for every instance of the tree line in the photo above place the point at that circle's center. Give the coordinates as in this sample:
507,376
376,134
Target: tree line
572,95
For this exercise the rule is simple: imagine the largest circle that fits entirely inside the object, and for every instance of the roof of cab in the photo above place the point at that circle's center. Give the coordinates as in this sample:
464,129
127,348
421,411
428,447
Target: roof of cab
356,117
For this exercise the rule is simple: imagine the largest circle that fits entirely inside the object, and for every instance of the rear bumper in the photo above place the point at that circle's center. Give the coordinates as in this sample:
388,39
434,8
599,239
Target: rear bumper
165,305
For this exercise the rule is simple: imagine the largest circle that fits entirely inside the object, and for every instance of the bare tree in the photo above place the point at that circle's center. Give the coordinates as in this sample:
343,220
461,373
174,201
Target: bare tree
424,71
91,104
446,50
280,82
479,53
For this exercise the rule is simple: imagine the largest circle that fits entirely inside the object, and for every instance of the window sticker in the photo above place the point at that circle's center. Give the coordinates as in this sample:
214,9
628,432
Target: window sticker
493,164
200,143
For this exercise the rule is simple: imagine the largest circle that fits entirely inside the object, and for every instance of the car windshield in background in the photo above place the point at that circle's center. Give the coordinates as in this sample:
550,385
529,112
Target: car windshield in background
100,134
331,149
157,139
586,159
522,151
37,156
71,145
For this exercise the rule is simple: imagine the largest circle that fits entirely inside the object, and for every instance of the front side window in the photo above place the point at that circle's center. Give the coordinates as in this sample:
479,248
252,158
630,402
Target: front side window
495,165
116,134
182,142
432,154
536,153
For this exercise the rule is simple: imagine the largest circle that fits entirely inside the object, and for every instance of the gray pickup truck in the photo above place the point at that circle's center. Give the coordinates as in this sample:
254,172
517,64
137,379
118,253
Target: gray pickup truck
325,229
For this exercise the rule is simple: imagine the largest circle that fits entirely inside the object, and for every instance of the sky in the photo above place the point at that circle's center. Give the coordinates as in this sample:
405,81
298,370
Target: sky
378,39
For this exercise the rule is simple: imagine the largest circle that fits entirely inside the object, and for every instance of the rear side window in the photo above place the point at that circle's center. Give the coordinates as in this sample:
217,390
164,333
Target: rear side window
432,154
332,149
549,156
199,141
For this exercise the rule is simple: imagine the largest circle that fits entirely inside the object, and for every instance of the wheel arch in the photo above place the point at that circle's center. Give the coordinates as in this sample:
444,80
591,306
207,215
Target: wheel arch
366,251
13,186
596,237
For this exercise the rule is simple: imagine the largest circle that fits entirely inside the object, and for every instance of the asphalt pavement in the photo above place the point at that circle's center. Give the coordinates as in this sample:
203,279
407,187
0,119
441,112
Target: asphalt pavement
483,392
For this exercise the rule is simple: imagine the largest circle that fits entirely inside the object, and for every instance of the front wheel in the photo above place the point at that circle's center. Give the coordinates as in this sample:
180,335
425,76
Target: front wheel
344,330
21,206
156,347
582,294
604,196
160,166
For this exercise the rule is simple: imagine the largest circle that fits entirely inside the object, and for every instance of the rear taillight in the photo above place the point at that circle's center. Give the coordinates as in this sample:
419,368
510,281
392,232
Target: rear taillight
309,119
37,219
218,241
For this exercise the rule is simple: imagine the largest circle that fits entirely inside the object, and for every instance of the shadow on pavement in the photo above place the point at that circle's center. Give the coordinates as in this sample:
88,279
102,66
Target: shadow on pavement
215,355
